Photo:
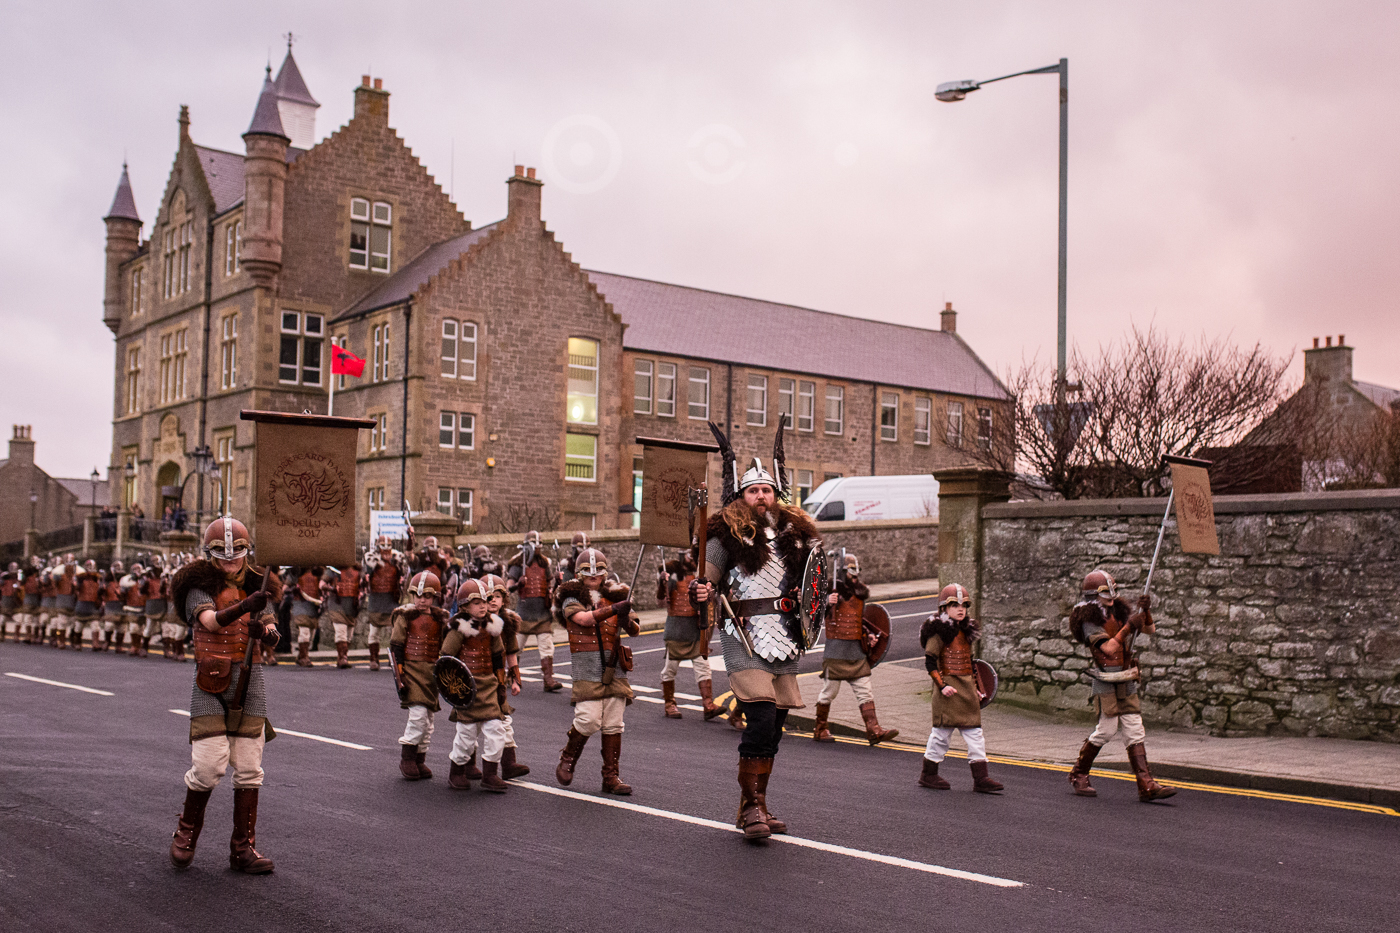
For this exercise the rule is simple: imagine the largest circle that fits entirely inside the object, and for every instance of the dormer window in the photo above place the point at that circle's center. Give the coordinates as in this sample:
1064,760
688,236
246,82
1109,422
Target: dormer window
370,227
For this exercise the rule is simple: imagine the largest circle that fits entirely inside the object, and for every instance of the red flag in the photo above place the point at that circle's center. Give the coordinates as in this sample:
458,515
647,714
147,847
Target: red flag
345,363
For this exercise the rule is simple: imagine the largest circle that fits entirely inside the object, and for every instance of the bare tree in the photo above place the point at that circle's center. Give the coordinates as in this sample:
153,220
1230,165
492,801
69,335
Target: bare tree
523,517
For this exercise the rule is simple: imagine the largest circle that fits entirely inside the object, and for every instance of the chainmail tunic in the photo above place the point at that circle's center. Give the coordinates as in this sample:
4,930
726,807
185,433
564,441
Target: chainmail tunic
774,649
843,649
587,665
206,704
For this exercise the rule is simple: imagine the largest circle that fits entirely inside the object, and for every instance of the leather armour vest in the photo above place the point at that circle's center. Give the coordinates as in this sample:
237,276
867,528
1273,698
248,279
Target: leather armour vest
476,652
31,585
957,658
309,585
585,637
229,642
89,588
534,582
679,603
9,586
136,596
844,622
1112,627
112,592
424,642
347,585
153,588
385,578
63,586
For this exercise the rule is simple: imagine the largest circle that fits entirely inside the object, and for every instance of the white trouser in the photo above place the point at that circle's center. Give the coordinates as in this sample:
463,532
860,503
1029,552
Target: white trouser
211,757
489,736
62,623
604,714
702,669
304,629
135,626
510,732
1129,723
171,633
343,631
419,730
937,748
12,623
860,687
545,640
378,634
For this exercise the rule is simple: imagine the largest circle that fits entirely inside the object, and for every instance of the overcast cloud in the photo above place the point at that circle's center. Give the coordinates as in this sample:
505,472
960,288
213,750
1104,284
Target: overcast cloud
1233,166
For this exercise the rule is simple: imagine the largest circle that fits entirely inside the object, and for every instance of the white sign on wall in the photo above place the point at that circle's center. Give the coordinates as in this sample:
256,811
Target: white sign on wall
393,525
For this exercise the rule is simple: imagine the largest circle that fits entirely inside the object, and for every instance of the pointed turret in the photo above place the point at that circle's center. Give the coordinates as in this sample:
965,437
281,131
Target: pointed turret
123,242
264,177
295,104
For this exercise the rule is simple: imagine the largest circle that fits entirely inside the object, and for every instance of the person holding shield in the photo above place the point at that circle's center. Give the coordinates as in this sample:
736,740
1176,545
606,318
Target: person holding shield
949,638
685,636
475,640
530,577
415,642
845,659
385,569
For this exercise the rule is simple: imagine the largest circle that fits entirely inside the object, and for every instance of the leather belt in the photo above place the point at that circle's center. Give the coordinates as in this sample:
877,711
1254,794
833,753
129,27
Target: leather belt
747,608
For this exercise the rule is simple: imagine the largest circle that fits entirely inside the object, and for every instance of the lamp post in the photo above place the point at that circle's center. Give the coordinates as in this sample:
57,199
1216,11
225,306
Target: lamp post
94,478
33,508
952,91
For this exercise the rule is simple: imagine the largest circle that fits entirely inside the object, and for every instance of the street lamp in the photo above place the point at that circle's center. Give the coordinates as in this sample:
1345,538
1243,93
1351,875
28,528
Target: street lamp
953,91
94,478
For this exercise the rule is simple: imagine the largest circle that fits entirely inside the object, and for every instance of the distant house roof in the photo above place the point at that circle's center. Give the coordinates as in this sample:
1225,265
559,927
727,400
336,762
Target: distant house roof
82,488
290,85
402,284
1381,395
682,321
224,173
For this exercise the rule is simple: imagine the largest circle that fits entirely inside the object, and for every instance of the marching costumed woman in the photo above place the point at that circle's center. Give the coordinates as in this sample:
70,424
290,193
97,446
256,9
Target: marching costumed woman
530,577
415,643
1102,621
844,660
684,637
756,555
949,637
596,614
385,569
475,639
224,598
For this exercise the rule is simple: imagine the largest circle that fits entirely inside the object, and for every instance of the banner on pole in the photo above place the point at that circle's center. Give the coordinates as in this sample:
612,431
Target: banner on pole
1195,511
670,469
305,494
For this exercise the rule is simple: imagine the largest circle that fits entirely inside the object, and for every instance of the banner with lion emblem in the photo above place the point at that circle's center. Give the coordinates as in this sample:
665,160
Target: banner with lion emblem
305,493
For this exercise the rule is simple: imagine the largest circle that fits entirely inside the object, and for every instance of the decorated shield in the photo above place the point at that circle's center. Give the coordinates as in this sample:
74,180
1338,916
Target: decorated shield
454,681
986,682
816,586
875,627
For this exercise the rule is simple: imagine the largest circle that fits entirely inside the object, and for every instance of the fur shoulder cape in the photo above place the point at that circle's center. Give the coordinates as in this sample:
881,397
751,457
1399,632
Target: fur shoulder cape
205,575
795,534
946,629
1087,613
577,589
852,588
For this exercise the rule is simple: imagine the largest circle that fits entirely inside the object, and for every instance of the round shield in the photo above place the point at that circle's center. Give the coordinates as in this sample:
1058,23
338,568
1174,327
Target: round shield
875,626
816,586
454,681
986,682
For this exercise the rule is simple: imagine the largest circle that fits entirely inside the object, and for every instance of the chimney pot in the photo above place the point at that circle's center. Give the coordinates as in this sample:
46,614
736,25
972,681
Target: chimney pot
947,306
364,80
379,84
1316,342
1341,339
948,319
529,173
1329,340
519,171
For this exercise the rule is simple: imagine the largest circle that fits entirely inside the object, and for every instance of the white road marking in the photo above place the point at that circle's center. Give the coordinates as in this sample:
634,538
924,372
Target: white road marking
789,840
59,683
910,615
300,735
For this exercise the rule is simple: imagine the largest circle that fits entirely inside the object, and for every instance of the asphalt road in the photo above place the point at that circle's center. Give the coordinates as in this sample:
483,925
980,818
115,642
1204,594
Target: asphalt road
90,786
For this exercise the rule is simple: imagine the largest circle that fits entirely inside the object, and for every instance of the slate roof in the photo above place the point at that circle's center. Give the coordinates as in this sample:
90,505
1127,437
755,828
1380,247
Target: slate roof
266,120
124,204
1381,395
682,321
290,85
82,488
402,284
223,171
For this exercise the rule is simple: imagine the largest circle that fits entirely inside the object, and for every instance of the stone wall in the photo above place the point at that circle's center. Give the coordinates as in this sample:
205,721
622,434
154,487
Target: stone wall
1293,629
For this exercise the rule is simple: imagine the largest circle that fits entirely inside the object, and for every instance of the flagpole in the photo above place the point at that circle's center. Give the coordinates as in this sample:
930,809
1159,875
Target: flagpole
330,400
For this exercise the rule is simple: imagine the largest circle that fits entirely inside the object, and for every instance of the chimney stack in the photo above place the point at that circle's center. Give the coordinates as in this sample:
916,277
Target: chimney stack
523,197
1328,362
372,102
22,445
948,319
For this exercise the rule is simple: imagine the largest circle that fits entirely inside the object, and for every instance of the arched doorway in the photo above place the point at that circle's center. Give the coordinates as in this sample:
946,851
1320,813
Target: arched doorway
168,484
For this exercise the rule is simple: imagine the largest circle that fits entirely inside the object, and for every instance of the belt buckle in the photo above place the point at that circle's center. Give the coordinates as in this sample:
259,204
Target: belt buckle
785,604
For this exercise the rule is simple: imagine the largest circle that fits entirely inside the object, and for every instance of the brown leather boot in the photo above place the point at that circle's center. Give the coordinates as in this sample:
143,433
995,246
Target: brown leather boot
775,825
96,639
120,647
1079,774
873,733
612,751
668,696
457,778
821,732
931,778
374,657
751,818
1148,789
510,768
491,777
187,829
408,762
547,671
269,655
736,717
707,700
342,654
473,772
145,648
180,651
242,856
568,757
167,648
304,654
981,782
421,759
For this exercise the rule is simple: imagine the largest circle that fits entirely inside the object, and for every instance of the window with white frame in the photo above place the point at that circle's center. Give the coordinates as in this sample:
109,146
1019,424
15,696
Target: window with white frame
455,502
233,247
374,499
699,396
923,419
835,409
228,352
666,390
299,362
642,371
889,416
133,380
801,483
580,458
582,403
806,405
458,349
787,401
175,273
984,428
954,435
174,353
756,404
379,432
138,290
223,462
457,430
379,371
371,228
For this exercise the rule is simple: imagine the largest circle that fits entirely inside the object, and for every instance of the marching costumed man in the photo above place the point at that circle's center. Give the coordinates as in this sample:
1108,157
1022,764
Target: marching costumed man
87,588
48,616
529,576
845,660
596,615
685,639
155,588
484,563
566,566
385,571
224,598
31,585
342,596
756,553
497,594
133,595
949,637
306,608
10,602
430,557
65,602
112,606
1103,621
415,644
475,639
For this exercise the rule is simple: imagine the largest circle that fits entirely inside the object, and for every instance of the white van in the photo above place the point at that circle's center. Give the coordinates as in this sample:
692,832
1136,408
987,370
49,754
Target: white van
853,498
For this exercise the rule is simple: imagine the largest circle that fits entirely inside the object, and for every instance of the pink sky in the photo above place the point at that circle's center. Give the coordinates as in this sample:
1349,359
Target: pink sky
1233,166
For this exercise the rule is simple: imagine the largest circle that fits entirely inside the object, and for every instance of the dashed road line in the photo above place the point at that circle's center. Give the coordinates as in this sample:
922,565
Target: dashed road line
59,683
302,735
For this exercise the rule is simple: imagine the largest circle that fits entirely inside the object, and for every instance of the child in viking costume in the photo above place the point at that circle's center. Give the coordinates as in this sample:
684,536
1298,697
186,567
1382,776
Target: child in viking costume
385,571
949,638
498,593
685,639
414,645
845,660
530,577
475,639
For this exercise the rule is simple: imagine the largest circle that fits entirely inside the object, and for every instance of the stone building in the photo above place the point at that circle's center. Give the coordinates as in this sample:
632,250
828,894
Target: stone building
56,502
506,383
